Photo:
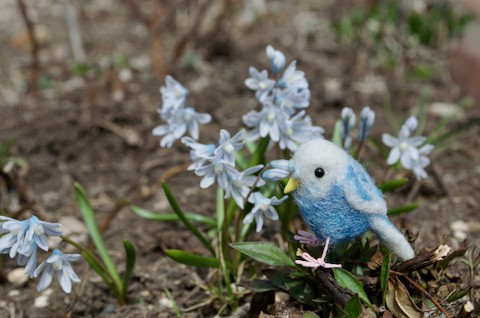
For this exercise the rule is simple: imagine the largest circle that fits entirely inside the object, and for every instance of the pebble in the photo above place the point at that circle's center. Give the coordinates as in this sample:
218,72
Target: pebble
41,301
165,302
74,229
13,293
17,277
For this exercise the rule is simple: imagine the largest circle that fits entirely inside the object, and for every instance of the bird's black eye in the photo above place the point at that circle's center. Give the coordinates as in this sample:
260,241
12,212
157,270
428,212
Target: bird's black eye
319,172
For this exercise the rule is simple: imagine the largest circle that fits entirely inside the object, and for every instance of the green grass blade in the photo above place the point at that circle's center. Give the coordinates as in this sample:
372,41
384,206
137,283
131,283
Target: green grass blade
392,185
191,259
184,219
130,257
403,209
336,136
384,276
90,222
166,217
266,253
99,270
220,208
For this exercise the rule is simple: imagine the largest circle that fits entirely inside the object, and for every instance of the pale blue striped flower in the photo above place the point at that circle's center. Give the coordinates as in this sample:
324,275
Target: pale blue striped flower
199,153
259,82
227,145
297,130
217,170
58,263
266,122
404,148
367,118
178,124
174,97
280,169
276,59
240,187
262,207
348,122
293,77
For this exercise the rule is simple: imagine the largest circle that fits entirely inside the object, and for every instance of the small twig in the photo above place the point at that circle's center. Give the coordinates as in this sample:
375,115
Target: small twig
423,291
119,205
74,32
191,34
34,46
423,260
414,191
137,12
328,283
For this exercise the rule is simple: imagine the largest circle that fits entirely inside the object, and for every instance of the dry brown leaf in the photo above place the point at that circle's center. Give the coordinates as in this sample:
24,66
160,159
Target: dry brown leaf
399,302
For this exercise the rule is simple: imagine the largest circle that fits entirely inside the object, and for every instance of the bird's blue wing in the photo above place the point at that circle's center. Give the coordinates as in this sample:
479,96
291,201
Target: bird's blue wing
360,190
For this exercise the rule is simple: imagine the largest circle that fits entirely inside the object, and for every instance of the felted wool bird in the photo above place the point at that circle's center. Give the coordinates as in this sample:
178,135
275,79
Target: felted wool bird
338,200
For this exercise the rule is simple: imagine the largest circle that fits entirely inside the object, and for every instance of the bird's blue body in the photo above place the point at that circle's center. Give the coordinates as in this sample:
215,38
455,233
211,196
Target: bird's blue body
338,199
332,215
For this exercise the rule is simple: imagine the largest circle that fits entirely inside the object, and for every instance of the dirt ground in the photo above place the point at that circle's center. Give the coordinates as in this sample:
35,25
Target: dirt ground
97,130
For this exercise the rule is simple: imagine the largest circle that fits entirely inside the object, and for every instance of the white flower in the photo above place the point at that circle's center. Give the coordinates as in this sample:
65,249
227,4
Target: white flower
181,121
240,187
265,122
280,170
276,59
404,147
174,97
418,166
227,145
262,206
367,118
293,78
297,130
259,82
58,263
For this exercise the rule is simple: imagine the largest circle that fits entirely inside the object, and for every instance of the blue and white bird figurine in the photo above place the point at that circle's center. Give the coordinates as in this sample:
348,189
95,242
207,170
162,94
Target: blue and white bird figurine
338,200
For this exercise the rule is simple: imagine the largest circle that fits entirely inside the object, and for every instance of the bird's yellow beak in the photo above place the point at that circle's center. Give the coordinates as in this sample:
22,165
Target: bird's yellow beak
292,184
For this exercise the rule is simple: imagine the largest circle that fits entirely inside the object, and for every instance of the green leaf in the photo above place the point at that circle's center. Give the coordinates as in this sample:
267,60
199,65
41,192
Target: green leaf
241,160
403,209
261,286
258,156
347,280
392,185
353,308
385,275
90,222
265,253
184,219
130,257
194,217
191,259
310,314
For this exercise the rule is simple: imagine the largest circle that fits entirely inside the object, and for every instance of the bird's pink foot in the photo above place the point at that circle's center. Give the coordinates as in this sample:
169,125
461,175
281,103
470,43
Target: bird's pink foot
307,238
310,261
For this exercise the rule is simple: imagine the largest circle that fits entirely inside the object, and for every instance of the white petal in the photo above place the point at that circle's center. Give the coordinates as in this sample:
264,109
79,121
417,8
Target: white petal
46,278
393,156
389,140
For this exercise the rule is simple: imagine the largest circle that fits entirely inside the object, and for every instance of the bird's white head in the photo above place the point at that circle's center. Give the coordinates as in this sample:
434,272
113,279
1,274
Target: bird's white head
317,163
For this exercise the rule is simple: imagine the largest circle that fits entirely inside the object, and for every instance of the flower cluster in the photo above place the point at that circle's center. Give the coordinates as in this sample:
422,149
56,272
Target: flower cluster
22,239
179,117
410,150
282,116
216,163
